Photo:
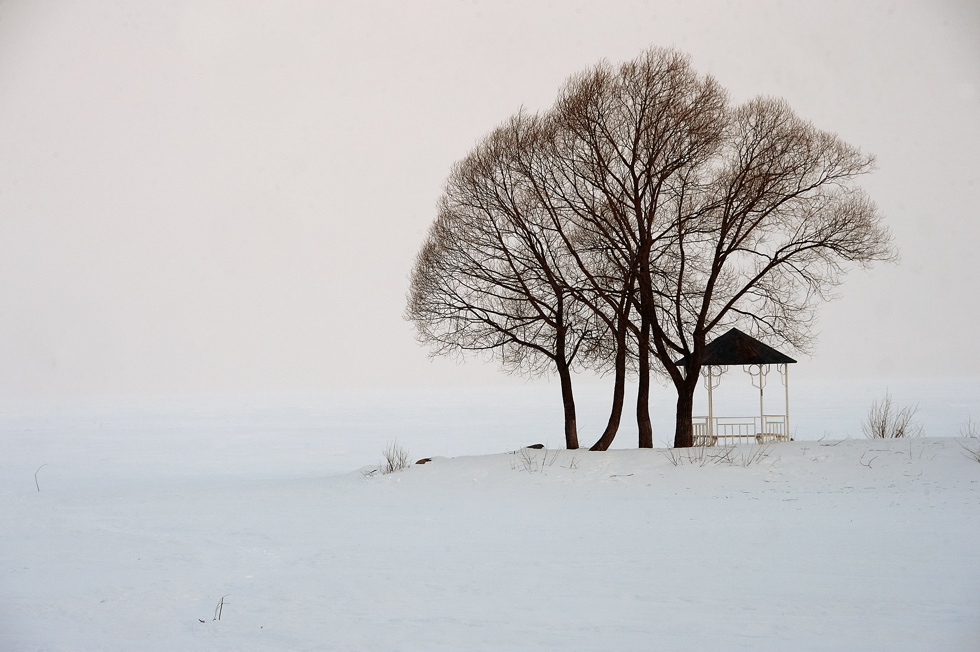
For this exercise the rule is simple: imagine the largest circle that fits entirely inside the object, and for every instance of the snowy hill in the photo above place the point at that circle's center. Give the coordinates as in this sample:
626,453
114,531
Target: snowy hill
844,545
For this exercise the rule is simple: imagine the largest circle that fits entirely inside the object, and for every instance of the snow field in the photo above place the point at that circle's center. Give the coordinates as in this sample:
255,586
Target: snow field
852,545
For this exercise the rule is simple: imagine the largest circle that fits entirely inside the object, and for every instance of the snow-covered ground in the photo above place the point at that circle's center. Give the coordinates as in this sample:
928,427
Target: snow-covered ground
146,514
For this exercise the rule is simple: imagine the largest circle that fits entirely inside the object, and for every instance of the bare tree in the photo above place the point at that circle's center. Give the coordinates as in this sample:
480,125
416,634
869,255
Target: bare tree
638,216
763,233
624,138
722,215
492,273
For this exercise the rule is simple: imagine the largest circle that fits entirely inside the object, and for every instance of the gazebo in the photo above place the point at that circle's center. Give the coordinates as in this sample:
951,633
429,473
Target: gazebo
757,359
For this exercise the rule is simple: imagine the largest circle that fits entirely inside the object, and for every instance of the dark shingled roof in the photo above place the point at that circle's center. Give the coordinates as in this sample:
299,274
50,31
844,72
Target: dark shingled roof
735,348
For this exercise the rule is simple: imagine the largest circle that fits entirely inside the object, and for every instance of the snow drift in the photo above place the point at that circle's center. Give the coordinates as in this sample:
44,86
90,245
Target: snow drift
816,545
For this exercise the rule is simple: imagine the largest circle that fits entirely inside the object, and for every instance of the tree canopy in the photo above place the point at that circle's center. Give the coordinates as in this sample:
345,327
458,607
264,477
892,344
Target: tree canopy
640,214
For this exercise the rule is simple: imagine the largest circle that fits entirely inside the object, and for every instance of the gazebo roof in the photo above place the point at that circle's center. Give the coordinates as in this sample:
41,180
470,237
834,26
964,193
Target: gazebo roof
735,348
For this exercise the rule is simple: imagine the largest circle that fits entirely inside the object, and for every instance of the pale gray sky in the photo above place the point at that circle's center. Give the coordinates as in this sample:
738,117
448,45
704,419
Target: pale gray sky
209,196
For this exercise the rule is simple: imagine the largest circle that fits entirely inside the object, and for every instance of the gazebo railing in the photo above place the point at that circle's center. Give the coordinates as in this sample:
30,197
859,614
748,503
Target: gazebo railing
733,430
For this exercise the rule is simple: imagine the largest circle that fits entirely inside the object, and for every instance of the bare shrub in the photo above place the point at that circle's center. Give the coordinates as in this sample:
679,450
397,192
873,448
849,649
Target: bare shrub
755,455
884,422
970,429
526,460
727,455
395,458
971,451
694,455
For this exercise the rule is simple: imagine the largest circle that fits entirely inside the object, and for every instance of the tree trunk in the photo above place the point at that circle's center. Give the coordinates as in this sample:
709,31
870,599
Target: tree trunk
615,414
684,428
619,391
643,424
568,401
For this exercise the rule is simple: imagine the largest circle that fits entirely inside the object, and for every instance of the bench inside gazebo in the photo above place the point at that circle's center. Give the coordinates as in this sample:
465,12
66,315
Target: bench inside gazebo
757,359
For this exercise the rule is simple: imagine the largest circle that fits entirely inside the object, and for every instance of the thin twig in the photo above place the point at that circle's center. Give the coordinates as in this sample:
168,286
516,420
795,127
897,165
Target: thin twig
218,609
35,477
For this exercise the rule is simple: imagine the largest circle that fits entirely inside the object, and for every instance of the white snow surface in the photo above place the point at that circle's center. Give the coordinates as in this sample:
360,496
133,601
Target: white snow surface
142,520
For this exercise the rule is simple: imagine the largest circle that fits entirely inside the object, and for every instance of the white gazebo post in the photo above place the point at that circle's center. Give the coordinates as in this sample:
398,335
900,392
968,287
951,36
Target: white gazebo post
710,382
759,380
784,376
711,407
